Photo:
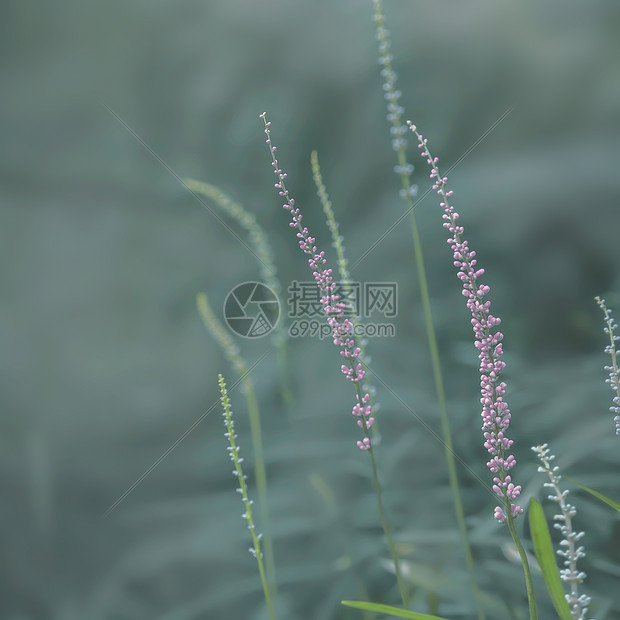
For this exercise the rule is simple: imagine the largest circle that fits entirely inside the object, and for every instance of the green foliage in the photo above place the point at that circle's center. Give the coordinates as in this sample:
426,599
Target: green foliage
105,363
395,612
597,494
545,554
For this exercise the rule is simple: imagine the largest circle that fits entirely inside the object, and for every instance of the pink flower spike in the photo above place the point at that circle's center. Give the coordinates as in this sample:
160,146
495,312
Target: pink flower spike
333,307
495,412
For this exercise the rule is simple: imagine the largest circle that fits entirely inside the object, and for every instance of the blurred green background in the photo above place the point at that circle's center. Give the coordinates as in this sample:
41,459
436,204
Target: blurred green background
106,365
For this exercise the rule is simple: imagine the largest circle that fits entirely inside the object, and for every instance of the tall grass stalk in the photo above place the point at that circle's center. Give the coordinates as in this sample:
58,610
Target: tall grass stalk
488,342
408,192
231,351
233,451
343,337
260,244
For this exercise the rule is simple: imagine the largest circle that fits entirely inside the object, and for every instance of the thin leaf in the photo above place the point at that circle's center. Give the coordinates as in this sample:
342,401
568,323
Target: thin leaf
396,612
603,498
543,547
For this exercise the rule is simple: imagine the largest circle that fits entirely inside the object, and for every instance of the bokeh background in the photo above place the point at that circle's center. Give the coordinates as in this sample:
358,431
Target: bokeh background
105,364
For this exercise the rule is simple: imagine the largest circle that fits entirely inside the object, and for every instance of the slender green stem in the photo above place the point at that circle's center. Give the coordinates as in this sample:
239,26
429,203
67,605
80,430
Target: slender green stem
232,354
403,167
243,488
260,473
266,587
529,585
402,587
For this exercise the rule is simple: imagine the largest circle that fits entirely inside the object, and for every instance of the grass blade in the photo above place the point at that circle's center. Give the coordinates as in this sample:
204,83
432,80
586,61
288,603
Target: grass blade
543,547
603,498
395,612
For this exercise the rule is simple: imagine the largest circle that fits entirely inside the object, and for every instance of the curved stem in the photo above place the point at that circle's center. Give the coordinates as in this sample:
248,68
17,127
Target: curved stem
404,592
260,473
529,585
233,451
232,354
